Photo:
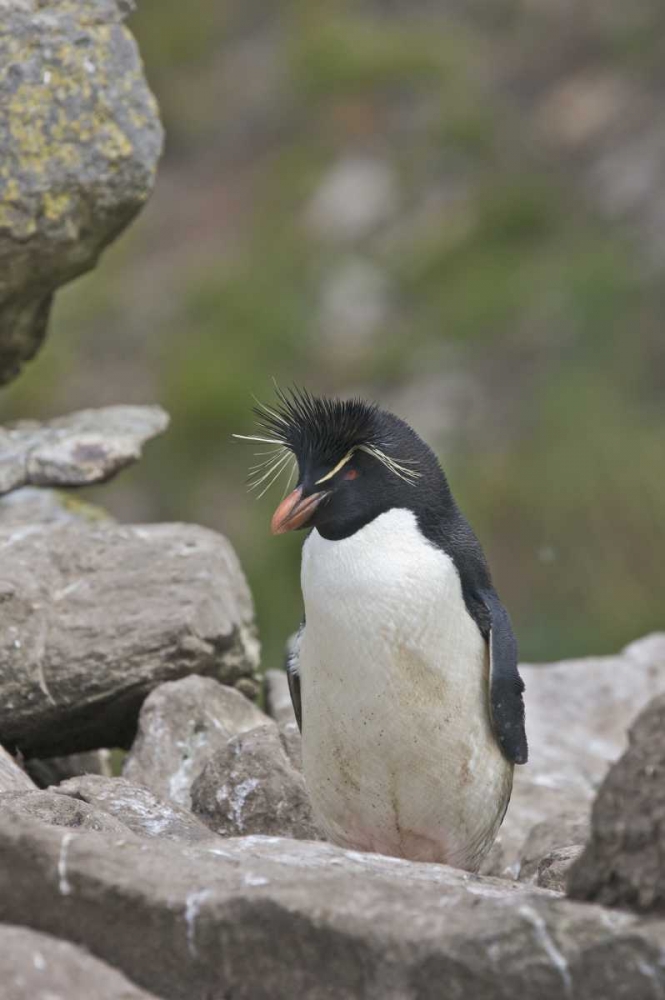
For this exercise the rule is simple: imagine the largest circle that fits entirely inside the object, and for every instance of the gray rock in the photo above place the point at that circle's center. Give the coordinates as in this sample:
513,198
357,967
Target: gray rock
278,699
265,918
557,833
97,615
53,770
85,447
181,725
36,966
250,786
291,739
624,861
578,713
553,869
81,138
48,807
12,776
31,505
137,808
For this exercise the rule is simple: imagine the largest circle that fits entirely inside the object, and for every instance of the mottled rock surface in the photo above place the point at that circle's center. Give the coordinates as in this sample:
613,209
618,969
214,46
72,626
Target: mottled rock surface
97,615
262,918
560,832
81,137
278,699
48,807
137,807
181,725
13,777
624,861
85,447
36,966
250,786
578,713
553,869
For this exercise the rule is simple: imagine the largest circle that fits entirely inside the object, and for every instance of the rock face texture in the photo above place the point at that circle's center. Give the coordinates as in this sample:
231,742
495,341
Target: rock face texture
12,777
181,725
266,918
81,137
578,714
136,807
81,448
37,966
96,615
250,786
624,862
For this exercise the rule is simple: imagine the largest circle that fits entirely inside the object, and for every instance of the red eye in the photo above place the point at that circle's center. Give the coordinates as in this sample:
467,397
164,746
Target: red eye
351,474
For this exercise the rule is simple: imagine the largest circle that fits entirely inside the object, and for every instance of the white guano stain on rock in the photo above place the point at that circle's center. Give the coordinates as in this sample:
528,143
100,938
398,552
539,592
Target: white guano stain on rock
63,882
193,904
549,946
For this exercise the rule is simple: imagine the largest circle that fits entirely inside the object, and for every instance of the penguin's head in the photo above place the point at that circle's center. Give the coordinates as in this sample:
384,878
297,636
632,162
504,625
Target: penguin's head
352,462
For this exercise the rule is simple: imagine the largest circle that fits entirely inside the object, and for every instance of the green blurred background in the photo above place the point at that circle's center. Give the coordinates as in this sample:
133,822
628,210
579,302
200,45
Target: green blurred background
457,209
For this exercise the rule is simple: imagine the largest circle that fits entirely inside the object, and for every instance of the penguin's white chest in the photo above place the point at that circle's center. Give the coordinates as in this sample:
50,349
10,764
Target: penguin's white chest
398,751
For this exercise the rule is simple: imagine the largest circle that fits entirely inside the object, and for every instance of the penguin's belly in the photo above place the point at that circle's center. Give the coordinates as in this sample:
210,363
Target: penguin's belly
398,752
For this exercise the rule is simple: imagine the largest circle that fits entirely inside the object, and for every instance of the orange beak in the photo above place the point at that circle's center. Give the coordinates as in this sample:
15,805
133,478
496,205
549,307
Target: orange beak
294,512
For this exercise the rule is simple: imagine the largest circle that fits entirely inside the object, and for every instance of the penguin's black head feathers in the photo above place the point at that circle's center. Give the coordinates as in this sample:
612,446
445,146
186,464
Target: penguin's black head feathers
359,460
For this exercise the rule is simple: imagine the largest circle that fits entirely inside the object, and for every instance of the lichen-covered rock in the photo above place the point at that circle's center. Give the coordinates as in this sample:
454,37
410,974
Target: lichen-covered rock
12,777
181,725
81,138
250,786
96,615
265,918
31,505
85,447
137,807
36,966
578,713
553,869
624,861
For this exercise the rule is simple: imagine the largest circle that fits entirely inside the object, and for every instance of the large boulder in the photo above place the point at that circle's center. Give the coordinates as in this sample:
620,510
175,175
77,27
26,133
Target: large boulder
36,966
250,786
85,447
578,713
81,138
96,615
265,918
181,725
624,861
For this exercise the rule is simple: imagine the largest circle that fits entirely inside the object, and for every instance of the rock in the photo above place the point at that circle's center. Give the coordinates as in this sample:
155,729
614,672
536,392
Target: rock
53,770
137,808
12,776
624,862
37,966
181,725
278,699
59,810
42,506
81,139
263,918
560,832
97,615
250,786
578,713
85,447
554,867
291,739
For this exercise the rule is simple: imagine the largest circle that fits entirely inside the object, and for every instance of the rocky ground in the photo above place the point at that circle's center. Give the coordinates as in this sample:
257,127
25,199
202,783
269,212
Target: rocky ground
199,874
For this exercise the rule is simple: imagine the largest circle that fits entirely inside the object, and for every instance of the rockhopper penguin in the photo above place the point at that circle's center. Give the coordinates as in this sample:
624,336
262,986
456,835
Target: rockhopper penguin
404,675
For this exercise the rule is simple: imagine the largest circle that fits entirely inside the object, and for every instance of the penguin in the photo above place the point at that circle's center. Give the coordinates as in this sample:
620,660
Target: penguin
403,676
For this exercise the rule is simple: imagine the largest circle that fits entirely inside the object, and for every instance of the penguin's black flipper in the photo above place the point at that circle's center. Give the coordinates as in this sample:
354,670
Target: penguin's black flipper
506,685
293,673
